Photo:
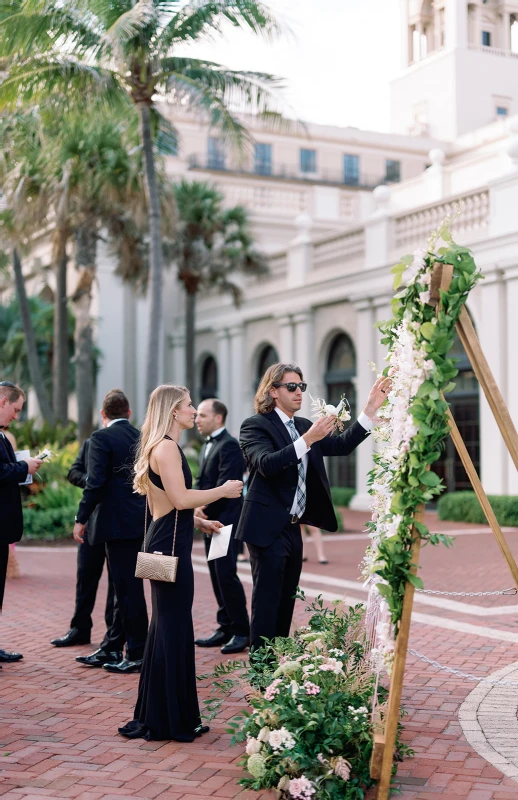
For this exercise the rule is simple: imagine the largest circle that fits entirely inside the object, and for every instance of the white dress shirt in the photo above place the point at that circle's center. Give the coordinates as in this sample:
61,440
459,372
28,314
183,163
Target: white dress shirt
119,419
210,443
302,450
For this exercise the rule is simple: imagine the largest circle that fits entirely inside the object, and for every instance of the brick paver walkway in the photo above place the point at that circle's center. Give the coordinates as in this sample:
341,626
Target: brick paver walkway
58,720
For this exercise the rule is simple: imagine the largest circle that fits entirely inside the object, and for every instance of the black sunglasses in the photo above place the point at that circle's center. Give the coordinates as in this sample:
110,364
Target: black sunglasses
8,384
292,387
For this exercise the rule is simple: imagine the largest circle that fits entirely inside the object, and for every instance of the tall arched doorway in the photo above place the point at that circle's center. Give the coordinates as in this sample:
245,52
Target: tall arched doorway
209,378
339,380
465,407
268,355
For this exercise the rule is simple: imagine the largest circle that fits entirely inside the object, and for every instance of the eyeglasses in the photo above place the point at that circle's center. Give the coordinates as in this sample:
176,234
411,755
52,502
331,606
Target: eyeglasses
292,387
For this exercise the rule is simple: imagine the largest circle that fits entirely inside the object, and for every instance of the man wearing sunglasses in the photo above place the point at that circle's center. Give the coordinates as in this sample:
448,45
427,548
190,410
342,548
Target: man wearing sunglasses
288,485
12,473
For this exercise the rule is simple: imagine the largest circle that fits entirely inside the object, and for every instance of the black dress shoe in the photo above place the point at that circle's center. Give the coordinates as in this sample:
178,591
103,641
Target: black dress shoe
8,658
216,640
99,658
124,667
201,729
236,645
74,636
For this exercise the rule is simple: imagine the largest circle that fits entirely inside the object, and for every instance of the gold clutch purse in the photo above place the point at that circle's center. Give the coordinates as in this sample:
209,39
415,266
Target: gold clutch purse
157,566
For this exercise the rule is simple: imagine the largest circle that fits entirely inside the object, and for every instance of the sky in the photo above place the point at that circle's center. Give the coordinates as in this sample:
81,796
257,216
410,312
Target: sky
337,61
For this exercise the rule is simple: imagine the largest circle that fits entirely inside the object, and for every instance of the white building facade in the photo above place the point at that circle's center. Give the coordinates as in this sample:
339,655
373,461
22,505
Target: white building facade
333,237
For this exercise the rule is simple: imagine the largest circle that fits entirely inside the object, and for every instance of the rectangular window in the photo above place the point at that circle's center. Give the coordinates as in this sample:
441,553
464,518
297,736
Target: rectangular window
308,160
351,170
486,38
502,111
215,153
263,159
392,171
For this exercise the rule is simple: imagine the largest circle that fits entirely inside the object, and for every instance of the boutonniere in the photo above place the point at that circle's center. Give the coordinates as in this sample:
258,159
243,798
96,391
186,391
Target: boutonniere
342,411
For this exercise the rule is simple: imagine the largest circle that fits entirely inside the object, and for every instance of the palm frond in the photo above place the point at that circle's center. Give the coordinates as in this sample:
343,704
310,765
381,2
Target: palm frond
129,24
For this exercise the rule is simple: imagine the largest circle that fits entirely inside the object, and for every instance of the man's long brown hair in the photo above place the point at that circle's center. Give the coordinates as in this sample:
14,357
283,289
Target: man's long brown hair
263,401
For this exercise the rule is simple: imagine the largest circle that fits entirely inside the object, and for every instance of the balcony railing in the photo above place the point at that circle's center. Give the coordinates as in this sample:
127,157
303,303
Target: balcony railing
284,172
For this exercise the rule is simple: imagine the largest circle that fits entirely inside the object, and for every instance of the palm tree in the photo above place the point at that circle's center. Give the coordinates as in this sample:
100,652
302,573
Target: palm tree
213,243
59,47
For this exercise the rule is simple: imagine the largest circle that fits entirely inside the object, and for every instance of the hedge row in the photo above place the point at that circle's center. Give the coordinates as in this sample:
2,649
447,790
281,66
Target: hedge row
464,507
342,495
48,524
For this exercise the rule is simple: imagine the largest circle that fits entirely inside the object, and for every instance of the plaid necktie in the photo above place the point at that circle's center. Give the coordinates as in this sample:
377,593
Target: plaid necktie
301,485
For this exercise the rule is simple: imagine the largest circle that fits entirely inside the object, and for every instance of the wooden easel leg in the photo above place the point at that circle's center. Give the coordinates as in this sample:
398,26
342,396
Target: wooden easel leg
398,671
482,497
485,377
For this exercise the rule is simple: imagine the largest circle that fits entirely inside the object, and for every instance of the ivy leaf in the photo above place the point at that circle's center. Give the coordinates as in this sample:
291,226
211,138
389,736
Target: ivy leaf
425,429
430,479
427,330
407,260
421,528
415,581
397,282
398,269
449,387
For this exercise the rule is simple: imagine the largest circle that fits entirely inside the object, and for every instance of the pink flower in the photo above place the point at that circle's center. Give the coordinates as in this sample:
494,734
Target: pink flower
311,688
301,788
272,689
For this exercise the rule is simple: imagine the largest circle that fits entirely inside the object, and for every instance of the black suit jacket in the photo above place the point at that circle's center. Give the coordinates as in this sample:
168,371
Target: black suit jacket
272,462
115,511
77,477
12,472
225,462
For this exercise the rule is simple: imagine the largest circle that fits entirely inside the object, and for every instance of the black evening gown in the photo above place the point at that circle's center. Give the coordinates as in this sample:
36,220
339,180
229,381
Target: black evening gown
167,704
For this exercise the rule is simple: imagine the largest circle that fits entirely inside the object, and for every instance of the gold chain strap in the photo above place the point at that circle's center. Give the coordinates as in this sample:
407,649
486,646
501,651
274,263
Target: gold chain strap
145,530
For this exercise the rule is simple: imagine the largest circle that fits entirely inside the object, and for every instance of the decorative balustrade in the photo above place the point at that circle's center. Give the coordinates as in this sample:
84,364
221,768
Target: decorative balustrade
339,249
414,227
267,198
278,263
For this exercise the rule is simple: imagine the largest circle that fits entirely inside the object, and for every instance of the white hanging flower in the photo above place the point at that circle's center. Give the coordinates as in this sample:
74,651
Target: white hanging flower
253,746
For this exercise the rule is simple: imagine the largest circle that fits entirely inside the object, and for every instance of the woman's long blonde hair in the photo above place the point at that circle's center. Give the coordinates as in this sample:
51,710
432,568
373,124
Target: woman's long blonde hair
163,402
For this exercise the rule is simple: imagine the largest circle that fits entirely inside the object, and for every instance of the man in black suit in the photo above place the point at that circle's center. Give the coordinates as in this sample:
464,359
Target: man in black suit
12,473
117,515
221,460
90,563
288,485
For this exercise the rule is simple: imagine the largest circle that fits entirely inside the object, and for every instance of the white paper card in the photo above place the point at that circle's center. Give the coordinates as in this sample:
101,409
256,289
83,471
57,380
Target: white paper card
220,543
23,455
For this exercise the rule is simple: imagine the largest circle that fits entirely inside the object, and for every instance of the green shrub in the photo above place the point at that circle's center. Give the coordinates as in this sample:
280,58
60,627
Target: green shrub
339,519
56,495
342,495
48,524
464,507
35,435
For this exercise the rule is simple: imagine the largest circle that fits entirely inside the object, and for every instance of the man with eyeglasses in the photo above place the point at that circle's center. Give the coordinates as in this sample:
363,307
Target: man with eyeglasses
12,473
288,485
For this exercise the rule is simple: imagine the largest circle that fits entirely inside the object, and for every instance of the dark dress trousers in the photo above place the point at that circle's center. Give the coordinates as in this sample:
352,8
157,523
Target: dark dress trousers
90,564
274,542
12,473
225,463
117,521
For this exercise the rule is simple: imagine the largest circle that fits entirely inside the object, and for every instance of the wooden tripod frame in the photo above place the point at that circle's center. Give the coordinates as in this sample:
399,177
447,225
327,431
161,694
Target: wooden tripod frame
383,750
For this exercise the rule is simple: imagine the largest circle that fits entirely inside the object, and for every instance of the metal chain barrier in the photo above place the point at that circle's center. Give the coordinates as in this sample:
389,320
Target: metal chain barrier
457,672
512,590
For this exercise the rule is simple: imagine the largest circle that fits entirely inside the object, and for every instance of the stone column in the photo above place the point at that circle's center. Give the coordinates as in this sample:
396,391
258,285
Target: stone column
457,24
512,372
378,229
286,346
237,379
223,356
303,354
366,351
492,333
177,344
300,252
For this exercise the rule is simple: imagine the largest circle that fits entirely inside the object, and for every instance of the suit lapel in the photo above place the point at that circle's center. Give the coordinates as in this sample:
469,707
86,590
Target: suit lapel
9,448
215,447
280,427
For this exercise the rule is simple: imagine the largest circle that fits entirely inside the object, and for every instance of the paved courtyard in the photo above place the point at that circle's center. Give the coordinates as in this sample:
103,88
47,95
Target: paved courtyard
58,720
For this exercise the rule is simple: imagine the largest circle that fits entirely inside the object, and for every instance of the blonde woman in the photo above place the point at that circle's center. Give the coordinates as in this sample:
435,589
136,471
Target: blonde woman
167,704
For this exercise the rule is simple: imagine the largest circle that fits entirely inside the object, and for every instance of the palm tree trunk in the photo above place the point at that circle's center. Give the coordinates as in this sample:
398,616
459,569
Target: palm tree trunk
30,341
190,379
86,249
60,360
155,260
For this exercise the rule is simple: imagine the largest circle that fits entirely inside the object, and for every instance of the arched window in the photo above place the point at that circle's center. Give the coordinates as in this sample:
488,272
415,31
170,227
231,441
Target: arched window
209,378
465,408
267,356
339,380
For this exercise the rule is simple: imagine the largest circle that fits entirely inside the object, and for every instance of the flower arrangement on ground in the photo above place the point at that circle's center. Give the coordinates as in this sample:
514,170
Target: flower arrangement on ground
413,423
308,735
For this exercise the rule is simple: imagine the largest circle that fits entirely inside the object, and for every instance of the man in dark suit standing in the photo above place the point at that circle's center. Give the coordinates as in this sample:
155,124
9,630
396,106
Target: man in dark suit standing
221,460
12,473
90,564
288,485
117,519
